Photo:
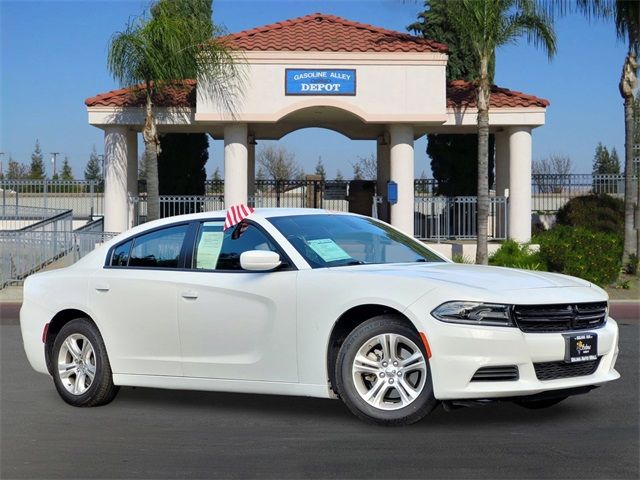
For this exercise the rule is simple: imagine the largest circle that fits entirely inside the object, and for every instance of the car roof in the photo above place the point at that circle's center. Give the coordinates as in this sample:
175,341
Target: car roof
260,212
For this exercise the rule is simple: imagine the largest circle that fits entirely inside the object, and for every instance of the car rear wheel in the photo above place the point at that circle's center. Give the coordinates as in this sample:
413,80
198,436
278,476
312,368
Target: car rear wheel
383,374
81,369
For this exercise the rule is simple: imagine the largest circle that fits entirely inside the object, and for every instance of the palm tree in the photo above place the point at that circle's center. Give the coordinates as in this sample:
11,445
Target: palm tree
627,19
487,25
174,44
626,16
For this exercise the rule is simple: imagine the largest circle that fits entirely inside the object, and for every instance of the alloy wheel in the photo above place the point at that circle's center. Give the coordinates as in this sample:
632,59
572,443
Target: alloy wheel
76,364
389,371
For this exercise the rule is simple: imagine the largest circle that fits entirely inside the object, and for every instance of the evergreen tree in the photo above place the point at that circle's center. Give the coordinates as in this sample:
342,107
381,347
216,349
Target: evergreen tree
605,162
320,169
181,163
339,177
216,180
37,171
67,173
93,170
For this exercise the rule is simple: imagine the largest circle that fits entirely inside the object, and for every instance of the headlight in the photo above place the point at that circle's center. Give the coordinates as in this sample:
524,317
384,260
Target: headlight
474,313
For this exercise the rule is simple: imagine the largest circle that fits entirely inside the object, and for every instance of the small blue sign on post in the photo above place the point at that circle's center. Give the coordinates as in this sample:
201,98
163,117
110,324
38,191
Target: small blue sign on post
392,192
310,81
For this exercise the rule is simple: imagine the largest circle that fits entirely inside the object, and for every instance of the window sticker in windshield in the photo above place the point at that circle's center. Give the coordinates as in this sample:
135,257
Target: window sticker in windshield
328,250
209,248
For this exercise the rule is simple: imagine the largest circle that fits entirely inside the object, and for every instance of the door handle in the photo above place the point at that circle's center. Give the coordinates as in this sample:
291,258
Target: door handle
102,288
190,295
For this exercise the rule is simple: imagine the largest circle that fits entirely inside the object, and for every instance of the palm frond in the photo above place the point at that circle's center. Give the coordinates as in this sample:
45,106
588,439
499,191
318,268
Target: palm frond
173,45
627,20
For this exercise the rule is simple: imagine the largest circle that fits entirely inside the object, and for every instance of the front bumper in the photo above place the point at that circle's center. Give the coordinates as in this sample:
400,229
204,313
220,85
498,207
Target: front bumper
458,351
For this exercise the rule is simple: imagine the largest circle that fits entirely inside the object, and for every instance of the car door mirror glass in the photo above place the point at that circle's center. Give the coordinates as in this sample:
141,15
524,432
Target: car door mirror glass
259,260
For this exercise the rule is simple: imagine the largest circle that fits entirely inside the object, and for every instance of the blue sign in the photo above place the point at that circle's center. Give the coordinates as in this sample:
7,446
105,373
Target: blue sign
392,192
309,81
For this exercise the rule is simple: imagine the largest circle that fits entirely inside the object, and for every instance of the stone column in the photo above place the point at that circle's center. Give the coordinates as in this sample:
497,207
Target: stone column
501,179
401,172
132,176
115,179
383,175
520,184
235,164
251,170
502,162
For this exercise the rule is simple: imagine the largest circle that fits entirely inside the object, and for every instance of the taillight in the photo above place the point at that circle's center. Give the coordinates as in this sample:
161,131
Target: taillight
44,332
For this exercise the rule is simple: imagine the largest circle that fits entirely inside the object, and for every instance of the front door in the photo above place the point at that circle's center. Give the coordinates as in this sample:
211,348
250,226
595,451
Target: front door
236,324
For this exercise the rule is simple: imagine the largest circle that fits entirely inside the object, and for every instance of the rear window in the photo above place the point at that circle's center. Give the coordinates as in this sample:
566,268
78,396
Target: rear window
120,255
157,249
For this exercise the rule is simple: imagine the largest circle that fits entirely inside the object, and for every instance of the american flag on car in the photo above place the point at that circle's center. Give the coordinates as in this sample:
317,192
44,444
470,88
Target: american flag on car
235,214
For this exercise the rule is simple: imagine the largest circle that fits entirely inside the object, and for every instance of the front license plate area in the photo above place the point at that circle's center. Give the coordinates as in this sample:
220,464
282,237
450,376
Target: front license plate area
581,347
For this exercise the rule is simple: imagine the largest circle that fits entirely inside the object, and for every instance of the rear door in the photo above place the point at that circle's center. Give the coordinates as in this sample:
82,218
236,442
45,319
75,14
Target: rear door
134,299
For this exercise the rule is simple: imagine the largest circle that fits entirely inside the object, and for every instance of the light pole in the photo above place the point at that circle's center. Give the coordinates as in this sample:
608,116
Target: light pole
1,158
101,157
53,160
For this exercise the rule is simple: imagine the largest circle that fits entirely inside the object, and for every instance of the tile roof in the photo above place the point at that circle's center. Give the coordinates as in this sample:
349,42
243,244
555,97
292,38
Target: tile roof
329,33
180,94
461,93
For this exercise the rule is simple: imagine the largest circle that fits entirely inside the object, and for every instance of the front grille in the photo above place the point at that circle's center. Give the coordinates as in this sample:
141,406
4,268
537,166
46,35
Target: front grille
560,318
496,374
555,370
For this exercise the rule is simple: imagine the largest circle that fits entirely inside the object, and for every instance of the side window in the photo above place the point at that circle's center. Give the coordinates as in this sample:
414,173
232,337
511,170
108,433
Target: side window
221,250
120,256
208,245
159,249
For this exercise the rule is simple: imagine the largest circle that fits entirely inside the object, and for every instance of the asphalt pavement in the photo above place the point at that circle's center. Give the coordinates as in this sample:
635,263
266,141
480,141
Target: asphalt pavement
149,433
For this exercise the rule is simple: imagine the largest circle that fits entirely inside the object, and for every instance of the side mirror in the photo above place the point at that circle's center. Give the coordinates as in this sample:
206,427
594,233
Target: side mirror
259,260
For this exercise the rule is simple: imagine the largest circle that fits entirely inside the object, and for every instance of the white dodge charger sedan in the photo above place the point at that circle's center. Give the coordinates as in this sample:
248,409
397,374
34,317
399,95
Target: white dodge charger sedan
315,303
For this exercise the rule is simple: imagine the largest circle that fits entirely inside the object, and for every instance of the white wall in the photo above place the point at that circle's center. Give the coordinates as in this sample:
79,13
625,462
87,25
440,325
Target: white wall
388,88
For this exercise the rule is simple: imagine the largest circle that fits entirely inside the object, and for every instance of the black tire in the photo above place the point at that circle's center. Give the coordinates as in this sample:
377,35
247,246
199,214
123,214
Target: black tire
361,337
538,404
101,389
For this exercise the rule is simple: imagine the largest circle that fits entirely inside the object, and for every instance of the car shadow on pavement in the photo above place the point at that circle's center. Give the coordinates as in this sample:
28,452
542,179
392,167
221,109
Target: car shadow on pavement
290,408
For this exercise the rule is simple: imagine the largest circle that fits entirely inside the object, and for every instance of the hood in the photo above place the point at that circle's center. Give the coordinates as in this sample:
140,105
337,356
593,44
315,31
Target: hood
474,276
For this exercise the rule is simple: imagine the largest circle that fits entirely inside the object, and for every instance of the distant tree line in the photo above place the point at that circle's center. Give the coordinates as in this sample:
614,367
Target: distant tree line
36,169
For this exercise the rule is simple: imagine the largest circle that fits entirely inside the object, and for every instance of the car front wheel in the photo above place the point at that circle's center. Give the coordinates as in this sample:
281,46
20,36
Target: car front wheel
81,370
383,374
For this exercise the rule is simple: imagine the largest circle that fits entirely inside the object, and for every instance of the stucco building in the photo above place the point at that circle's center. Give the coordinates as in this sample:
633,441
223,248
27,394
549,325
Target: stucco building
324,71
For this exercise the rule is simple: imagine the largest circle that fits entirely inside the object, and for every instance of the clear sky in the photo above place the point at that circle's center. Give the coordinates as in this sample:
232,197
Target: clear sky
54,56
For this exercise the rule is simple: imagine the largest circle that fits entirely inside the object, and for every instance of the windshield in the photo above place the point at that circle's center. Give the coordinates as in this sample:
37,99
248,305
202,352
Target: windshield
338,240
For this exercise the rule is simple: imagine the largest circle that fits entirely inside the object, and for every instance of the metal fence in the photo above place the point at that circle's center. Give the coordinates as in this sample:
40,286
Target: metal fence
85,198
88,237
31,247
454,218
18,217
32,238
552,192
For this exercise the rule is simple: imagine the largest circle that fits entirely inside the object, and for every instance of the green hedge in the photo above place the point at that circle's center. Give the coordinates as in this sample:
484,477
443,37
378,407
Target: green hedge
511,254
592,255
600,213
